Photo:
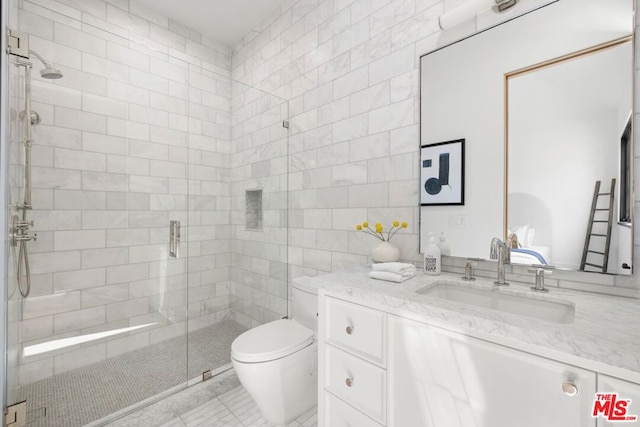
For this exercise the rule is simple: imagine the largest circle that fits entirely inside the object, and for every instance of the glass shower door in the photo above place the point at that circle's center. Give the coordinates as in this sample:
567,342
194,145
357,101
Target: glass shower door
138,129
238,270
104,323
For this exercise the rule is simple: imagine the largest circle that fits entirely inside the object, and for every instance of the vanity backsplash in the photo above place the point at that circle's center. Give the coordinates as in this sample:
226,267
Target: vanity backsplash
519,275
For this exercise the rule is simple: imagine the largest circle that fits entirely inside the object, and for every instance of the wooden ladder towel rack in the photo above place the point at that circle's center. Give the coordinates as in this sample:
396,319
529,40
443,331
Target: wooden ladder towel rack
603,253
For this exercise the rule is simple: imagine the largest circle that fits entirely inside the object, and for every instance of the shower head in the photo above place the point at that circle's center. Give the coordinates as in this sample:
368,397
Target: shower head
49,71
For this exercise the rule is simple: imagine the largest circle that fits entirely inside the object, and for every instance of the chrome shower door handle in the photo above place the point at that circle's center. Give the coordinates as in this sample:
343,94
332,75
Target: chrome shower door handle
174,239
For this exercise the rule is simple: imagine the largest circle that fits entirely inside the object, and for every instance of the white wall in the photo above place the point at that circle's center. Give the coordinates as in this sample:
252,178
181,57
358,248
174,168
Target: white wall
564,134
558,188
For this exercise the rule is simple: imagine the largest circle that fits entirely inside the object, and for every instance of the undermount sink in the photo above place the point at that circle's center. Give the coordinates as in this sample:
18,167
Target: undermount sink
500,300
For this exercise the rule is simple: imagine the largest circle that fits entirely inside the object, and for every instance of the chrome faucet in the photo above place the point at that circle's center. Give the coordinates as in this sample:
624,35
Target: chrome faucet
500,251
468,271
540,272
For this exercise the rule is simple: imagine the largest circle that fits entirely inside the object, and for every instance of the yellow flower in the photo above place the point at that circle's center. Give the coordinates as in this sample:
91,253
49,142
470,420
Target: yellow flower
378,229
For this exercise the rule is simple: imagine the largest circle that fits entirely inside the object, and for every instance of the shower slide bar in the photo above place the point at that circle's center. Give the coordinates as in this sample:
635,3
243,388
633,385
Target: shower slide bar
18,45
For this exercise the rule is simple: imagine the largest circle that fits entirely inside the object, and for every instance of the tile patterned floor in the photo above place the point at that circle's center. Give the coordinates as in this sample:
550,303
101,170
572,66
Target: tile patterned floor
198,406
81,396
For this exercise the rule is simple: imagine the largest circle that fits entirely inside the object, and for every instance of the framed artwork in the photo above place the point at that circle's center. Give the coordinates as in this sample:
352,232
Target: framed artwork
442,173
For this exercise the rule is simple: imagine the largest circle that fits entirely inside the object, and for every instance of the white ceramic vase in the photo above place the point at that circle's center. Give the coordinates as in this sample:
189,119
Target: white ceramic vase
385,252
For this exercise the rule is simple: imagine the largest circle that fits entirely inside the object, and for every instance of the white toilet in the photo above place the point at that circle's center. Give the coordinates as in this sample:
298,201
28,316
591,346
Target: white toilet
277,363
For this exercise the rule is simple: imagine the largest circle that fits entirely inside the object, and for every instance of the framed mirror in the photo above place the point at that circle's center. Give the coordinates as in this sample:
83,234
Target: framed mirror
543,103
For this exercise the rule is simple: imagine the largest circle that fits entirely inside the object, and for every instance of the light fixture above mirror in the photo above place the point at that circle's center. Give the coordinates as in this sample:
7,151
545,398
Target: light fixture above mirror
469,10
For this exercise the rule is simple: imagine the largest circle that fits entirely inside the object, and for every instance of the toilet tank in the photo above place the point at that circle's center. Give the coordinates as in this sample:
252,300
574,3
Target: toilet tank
304,307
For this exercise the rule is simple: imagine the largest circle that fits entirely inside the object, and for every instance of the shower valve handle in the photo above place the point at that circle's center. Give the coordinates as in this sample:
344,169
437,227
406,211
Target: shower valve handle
25,237
20,231
23,224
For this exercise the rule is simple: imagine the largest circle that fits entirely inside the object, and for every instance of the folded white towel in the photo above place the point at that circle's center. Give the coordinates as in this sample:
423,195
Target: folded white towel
389,276
401,268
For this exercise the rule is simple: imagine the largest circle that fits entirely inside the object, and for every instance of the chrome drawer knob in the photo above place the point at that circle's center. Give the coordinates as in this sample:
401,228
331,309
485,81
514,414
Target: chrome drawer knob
569,388
350,330
349,382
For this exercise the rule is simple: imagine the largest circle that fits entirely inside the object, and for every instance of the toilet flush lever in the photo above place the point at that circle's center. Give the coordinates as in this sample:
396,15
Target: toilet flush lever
174,239
350,330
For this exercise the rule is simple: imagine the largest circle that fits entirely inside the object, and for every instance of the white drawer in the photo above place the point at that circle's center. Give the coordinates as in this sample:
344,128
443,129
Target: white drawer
340,414
355,328
359,383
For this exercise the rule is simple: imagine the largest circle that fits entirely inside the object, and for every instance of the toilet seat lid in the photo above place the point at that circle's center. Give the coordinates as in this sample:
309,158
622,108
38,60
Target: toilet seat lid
271,341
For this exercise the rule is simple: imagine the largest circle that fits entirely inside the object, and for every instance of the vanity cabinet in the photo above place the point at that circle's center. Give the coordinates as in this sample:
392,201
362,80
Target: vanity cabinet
352,365
381,369
439,378
357,329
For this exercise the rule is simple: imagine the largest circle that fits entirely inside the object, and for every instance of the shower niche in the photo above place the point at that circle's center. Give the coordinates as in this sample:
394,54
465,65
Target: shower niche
253,203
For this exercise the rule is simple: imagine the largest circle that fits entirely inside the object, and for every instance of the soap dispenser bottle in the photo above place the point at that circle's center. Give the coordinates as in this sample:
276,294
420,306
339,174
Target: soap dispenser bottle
432,264
443,245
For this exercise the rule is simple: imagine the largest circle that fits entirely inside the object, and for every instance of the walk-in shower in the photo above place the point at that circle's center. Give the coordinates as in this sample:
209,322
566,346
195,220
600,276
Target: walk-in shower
19,234
141,131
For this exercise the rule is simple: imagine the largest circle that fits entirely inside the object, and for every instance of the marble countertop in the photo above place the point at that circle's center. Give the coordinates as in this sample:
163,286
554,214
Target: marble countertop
604,335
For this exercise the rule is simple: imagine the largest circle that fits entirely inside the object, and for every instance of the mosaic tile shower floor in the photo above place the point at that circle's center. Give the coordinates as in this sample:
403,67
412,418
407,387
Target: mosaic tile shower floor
81,396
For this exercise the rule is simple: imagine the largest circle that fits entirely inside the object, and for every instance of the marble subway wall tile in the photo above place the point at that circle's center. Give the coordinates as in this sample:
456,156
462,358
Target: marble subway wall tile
259,208
354,134
51,304
112,161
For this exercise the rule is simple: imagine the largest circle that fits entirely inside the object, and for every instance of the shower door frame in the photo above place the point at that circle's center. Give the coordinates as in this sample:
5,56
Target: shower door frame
4,104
